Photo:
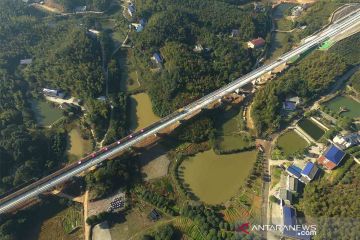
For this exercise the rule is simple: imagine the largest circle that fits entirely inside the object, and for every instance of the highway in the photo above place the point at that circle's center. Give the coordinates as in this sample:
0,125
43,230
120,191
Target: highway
21,196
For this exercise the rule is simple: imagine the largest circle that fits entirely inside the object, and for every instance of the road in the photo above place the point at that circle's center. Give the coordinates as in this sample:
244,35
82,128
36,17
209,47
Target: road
21,196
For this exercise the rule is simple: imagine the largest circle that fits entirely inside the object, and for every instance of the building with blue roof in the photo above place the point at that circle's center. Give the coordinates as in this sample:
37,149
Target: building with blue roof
157,58
332,157
290,222
294,171
309,172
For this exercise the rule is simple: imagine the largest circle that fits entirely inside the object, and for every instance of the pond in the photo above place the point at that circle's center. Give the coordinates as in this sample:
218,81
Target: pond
228,125
281,9
141,113
77,145
352,107
311,128
45,113
214,179
290,143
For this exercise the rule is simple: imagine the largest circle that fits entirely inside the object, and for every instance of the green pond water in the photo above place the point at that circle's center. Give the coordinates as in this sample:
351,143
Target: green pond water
311,128
141,113
45,113
215,178
281,8
350,104
290,142
77,145
228,127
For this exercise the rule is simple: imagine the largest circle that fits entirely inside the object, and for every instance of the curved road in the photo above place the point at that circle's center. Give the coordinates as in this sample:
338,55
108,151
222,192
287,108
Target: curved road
23,195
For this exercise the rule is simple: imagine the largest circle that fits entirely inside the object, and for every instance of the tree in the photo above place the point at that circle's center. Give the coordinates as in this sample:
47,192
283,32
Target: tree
165,233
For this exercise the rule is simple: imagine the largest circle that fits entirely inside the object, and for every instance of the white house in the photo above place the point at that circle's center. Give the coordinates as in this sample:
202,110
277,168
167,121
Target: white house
26,61
347,141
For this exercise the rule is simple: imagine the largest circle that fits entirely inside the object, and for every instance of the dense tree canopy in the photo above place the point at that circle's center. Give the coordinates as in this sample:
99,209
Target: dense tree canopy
174,28
309,79
334,205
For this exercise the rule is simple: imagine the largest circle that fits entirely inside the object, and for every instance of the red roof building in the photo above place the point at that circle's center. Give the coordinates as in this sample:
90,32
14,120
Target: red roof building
331,157
256,43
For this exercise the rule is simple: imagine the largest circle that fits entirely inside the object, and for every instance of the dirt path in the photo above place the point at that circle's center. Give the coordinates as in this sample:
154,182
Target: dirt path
249,120
86,226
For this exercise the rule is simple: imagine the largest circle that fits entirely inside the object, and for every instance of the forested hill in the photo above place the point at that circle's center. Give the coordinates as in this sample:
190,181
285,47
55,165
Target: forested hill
174,28
96,5
64,56
67,59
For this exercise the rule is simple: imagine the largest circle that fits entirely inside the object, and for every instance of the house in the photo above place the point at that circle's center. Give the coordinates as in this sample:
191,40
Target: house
198,48
131,9
154,215
286,196
309,172
101,98
235,33
294,171
80,9
53,93
332,157
94,32
296,11
26,61
290,224
157,58
289,215
347,141
138,27
290,104
256,43
292,184
258,7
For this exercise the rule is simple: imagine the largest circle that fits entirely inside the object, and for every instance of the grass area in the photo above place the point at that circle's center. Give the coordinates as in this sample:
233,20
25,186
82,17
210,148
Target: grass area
280,43
291,143
275,175
311,128
350,106
137,223
284,24
230,130
326,45
45,113
227,143
355,81
54,218
64,225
